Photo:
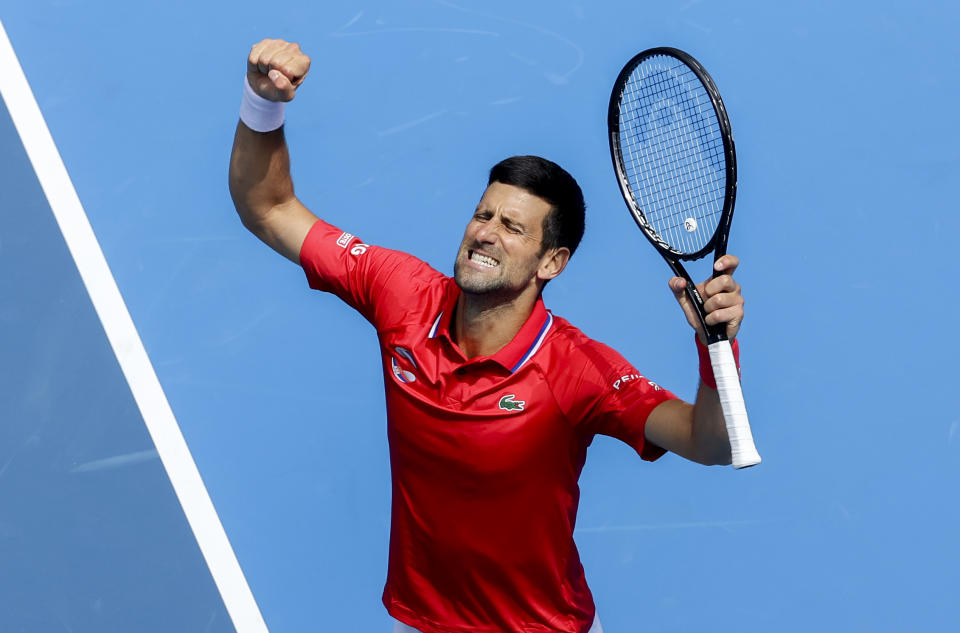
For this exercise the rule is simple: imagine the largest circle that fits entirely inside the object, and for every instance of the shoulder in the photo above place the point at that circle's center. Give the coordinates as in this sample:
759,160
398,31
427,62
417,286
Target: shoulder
598,389
580,371
407,272
405,288
583,368
387,286
328,246
580,354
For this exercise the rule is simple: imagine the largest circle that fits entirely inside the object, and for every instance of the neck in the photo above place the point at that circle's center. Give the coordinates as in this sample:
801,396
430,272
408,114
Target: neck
483,325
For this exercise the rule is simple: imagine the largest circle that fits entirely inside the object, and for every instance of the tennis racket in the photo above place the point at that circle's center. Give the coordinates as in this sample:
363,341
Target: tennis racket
673,154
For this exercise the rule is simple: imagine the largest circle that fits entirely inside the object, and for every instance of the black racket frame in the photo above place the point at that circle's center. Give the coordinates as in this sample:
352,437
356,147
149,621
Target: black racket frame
718,242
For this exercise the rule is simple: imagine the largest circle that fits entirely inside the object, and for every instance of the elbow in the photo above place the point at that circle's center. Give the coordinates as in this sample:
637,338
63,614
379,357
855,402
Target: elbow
241,200
252,212
243,195
255,204
250,218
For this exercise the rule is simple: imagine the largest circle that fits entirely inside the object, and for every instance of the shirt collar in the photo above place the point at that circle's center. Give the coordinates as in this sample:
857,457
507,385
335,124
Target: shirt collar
518,351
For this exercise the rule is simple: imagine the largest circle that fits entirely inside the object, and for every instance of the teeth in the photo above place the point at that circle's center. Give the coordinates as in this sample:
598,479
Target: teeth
483,259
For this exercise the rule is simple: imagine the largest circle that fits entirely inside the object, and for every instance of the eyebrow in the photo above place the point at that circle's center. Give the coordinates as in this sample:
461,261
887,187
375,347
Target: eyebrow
506,219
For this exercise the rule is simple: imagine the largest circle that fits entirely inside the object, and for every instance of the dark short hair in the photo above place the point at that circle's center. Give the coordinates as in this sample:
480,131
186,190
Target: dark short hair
564,225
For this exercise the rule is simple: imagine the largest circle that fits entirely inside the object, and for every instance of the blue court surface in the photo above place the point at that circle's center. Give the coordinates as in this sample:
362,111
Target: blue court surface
192,440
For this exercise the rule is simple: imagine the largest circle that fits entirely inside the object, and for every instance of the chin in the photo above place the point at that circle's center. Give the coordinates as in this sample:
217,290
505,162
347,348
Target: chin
474,284
477,286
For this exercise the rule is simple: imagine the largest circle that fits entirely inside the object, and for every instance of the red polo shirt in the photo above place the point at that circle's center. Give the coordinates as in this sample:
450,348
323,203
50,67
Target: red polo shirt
485,452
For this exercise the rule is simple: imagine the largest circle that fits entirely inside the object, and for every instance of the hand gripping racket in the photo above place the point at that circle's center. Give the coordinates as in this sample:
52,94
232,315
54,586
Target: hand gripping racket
672,150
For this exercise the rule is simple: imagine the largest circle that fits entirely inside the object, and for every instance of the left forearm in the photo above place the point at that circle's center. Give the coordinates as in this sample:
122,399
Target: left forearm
693,431
709,431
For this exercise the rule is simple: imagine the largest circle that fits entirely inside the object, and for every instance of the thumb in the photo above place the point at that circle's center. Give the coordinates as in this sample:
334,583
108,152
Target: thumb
285,89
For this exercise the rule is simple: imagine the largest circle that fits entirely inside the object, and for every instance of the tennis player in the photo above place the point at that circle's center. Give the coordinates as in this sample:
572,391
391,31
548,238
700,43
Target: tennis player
491,399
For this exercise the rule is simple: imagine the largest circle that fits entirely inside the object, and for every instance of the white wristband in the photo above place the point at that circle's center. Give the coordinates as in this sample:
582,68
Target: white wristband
259,114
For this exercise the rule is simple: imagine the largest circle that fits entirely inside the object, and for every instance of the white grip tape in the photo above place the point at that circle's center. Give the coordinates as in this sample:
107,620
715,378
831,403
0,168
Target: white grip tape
742,450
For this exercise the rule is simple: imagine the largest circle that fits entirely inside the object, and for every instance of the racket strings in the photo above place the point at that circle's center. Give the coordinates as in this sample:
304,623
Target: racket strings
674,156
671,185
673,169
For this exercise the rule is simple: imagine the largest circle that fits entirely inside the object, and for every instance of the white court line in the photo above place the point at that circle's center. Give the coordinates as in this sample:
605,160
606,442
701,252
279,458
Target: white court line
126,344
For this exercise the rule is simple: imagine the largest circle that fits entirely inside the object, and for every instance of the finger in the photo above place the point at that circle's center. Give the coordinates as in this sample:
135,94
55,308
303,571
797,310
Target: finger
678,285
254,57
718,285
275,54
300,69
271,52
259,59
722,300
293,62
731,316
727,264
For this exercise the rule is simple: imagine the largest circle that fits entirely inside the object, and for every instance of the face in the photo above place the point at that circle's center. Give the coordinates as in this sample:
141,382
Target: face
500,251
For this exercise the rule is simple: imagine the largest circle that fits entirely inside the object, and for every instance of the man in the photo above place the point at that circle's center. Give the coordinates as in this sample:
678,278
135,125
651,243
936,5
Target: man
491,400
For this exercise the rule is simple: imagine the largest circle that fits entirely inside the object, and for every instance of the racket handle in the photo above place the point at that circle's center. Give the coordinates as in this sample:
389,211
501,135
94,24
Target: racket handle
742,450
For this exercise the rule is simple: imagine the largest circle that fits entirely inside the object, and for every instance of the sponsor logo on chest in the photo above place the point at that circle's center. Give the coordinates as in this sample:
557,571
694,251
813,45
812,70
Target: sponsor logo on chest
510,403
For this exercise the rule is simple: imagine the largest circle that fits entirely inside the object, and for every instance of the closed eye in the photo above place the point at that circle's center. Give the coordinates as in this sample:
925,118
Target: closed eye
509,225
512,226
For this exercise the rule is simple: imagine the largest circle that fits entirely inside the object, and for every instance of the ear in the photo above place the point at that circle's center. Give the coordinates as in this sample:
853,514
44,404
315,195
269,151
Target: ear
552,263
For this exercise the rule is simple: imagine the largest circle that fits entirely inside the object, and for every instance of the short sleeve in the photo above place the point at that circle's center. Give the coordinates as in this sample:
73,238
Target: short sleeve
623,410
601,393
384,285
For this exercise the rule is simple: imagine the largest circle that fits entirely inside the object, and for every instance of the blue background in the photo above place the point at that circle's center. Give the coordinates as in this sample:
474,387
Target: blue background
847,152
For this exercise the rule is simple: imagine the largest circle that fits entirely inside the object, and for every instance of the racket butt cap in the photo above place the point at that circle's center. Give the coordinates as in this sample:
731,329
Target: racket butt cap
740,464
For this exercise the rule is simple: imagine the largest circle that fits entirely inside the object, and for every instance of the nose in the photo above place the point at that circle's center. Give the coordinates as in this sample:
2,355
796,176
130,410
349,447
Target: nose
487,232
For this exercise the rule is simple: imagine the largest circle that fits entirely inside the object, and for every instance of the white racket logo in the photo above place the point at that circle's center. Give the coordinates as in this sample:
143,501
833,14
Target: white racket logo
690,224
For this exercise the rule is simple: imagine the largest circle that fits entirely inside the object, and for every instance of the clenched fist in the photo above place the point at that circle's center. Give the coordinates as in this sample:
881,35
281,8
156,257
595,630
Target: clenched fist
276,68
722,300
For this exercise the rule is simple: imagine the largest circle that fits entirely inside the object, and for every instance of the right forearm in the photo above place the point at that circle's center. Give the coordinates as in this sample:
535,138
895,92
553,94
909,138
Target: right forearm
259,173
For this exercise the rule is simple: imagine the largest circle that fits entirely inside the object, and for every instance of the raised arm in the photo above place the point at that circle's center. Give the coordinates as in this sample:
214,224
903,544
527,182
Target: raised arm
260,181
698,431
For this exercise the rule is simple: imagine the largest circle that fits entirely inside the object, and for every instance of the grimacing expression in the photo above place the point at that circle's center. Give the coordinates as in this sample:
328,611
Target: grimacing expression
502,244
